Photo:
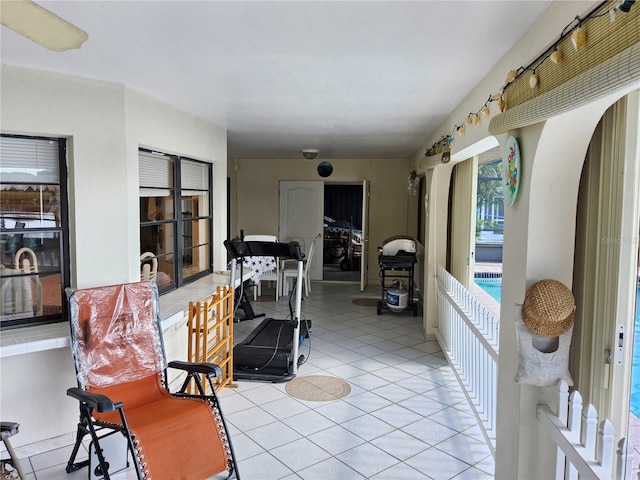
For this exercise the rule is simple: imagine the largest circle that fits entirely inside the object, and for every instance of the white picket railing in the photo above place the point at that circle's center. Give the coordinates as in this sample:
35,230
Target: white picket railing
468,334
584,451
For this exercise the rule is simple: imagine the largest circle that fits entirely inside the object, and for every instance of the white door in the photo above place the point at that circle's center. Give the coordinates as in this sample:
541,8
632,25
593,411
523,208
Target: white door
301,218
364,263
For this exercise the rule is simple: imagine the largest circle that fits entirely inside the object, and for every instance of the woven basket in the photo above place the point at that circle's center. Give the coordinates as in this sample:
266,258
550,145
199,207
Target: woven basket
548,308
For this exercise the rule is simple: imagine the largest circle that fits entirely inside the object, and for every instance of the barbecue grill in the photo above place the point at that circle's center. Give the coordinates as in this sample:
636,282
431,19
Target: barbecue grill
397,259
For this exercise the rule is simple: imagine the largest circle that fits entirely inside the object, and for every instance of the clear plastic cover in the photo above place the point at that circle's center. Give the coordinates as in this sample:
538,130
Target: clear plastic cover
115,333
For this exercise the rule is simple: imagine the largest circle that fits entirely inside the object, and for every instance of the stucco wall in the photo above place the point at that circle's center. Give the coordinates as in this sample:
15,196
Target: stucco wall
105,124
158,126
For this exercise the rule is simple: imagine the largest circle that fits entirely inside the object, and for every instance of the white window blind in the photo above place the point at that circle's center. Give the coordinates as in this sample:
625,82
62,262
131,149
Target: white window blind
194,175
155,170
29,160
155,192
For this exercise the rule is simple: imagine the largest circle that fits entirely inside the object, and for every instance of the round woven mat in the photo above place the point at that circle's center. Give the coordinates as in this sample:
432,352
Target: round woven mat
318,388
365,302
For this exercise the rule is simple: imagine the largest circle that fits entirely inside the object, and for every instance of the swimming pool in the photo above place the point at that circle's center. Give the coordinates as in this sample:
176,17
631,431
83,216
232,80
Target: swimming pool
635,368
493,286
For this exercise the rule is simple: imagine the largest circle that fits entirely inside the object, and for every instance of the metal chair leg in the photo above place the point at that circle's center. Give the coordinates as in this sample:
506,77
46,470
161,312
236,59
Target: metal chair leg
9,429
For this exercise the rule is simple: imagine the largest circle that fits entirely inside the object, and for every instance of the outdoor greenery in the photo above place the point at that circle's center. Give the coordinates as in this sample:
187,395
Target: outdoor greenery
489,187
489,193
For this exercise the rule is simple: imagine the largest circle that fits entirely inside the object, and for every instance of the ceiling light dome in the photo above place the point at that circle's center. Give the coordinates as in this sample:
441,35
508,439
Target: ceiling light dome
310,153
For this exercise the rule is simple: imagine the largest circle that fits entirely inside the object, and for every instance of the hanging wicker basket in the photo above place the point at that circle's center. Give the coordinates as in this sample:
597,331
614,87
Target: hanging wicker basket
548,308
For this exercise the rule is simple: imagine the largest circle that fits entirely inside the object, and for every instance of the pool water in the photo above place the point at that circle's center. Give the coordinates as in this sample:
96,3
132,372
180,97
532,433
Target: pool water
493,286
635,368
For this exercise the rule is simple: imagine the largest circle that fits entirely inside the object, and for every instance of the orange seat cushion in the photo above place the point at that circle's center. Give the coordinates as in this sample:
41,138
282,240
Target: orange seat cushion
180,438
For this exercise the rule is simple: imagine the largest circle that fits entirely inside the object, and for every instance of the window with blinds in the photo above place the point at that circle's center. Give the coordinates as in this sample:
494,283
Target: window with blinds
175,217
33,230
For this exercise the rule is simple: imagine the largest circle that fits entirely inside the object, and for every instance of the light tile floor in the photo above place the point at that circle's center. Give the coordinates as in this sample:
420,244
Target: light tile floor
405,418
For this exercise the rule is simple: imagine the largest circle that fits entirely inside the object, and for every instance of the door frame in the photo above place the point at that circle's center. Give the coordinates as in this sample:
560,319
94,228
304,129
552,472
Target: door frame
364,259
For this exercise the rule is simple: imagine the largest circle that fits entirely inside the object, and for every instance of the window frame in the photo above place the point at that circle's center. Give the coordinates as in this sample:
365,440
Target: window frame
178,219
64,237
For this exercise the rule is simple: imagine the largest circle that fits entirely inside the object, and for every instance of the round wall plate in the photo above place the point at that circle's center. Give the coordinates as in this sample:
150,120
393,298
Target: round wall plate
511,171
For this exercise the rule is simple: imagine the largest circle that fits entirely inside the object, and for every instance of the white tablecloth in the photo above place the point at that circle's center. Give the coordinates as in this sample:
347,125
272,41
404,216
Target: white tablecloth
258,266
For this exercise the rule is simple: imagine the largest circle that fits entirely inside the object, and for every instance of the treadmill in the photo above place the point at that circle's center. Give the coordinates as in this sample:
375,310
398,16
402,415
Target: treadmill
270,351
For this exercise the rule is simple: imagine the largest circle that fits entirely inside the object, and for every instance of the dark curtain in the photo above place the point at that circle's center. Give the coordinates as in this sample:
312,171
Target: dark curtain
344,202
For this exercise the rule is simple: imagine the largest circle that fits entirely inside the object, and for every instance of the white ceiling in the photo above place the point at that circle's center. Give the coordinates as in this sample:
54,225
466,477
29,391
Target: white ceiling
354,79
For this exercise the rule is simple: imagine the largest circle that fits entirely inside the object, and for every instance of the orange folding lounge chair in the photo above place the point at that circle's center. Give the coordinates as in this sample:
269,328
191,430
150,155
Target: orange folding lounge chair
123,390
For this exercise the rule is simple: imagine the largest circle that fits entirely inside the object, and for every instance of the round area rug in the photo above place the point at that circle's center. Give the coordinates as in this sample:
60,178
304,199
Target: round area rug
365,302
318,388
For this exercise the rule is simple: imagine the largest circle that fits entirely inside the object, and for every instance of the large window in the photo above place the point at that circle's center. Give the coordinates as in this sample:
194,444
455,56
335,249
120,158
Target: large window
175,217
33,230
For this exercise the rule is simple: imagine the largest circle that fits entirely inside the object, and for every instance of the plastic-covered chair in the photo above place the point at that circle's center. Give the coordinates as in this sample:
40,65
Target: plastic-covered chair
123,391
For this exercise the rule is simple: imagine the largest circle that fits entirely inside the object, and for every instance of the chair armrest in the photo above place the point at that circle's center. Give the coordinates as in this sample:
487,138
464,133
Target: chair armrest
206,368
101,403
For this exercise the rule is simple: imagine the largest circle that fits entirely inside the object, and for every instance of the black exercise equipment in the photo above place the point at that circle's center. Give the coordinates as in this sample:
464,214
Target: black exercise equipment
242,302
270,351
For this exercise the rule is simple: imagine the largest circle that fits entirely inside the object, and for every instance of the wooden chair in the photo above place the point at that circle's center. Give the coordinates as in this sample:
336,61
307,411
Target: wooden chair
270,276
289,272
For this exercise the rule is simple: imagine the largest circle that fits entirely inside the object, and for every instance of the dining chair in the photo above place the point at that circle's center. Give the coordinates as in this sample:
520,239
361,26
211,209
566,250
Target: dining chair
266,275
288,272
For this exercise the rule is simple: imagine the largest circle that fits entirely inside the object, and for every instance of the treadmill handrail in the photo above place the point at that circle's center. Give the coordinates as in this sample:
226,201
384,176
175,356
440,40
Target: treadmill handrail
240,249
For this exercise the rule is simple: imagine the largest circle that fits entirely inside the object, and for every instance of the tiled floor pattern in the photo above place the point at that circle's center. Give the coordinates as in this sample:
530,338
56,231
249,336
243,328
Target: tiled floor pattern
405,417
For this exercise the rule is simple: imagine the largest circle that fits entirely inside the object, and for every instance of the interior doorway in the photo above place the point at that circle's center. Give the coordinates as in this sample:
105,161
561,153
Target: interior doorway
343,232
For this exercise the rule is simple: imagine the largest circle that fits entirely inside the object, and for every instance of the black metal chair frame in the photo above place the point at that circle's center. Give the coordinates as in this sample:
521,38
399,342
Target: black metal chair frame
9,429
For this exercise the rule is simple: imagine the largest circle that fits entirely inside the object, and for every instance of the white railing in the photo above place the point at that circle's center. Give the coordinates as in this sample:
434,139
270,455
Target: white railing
584,451
468,334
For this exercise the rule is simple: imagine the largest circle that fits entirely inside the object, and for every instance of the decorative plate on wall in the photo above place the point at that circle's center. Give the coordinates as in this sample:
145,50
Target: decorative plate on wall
511,171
